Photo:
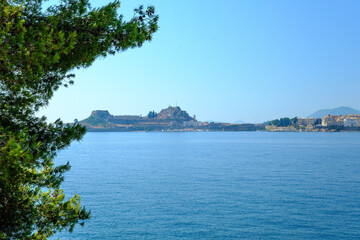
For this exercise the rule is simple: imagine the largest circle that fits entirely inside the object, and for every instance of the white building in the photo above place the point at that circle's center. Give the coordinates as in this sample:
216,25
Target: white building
350,122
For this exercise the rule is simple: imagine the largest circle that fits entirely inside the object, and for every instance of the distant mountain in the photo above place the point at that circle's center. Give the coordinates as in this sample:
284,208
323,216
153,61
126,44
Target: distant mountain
335,111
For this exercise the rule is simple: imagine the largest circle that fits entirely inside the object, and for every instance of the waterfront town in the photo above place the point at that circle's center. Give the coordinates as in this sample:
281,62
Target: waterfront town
350,122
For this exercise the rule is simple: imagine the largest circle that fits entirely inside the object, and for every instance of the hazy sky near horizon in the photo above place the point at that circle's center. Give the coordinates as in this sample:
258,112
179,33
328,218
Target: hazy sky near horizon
226,61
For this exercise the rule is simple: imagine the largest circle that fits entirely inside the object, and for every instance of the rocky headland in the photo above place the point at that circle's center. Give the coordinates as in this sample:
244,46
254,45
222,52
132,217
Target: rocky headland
168,119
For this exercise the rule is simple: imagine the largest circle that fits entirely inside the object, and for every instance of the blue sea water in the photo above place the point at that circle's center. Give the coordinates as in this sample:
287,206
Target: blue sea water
216,185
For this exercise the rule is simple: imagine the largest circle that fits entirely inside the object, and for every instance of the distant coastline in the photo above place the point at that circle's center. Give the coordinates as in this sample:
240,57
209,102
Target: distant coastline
173,119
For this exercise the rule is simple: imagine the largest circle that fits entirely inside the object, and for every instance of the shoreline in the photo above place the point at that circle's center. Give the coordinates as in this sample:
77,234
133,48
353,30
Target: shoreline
113,130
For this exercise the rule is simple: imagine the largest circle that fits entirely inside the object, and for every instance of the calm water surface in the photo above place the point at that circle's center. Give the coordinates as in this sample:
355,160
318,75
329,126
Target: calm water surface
216,185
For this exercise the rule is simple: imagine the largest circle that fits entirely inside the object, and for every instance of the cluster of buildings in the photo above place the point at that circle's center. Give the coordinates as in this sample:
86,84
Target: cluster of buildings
350,121
308,121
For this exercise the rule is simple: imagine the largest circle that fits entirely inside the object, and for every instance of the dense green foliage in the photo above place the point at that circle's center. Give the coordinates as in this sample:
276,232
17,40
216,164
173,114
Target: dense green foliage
152,114
284,122
39,50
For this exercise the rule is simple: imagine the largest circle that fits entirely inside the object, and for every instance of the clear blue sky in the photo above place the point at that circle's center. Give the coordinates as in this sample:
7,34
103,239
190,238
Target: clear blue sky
227,61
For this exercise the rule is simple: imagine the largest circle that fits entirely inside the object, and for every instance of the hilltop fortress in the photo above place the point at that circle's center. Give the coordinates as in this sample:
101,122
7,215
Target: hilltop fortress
168,119
171,117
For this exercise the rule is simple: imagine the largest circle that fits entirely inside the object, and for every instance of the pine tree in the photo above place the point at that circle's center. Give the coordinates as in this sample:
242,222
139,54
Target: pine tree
39,49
